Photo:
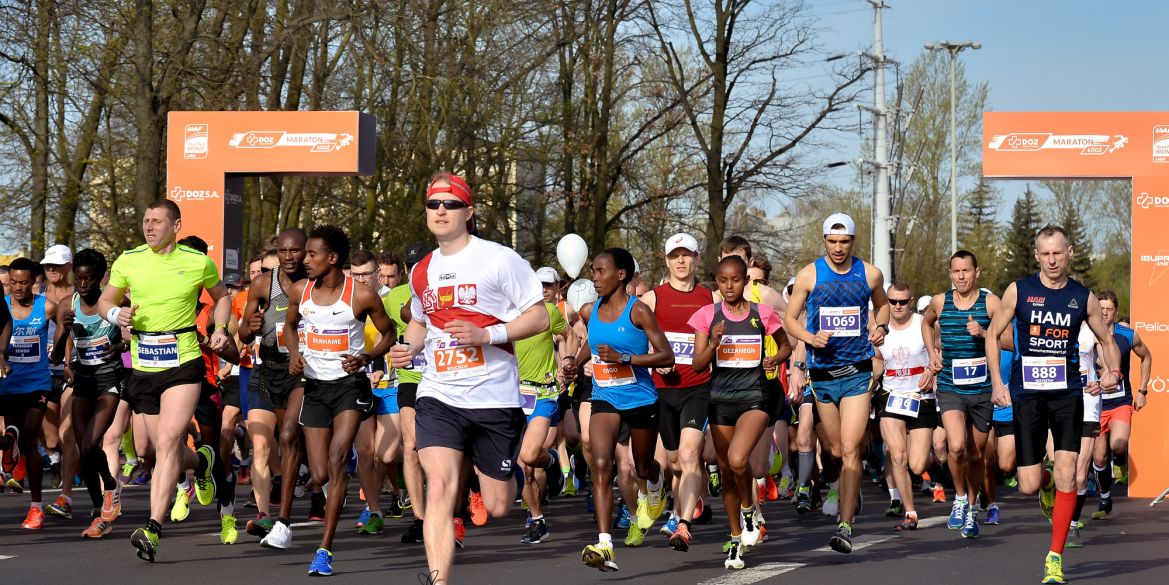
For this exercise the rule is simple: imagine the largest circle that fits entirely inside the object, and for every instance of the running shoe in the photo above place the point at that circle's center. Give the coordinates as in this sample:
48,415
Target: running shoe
260,526
970,523
841,542
1047,492
60,508
245,475
786,488
804,500
569,484
228,533
127,472
1012,482
906,524
1119,473
680,540
394,507
600,556
895,510
362,518
992,516
97,529
373,526
734,557
656,504
404,500
12,454
460,532
772,490
832,503
146,541
478,510
111,504
280,536
182,506
322,564
623,516
204,479
14,485
634,537
957,515
413,534
1074,540
536,533
1053,568
644,518
669,527
1103,509
714,484
939,493
750,536
35,520
316,508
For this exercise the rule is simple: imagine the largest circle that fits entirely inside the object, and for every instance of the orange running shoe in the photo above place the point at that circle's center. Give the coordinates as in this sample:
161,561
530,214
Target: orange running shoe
698,509
111,504
97,529
460,532
21,472
35,519
478,510
680,540
772,489
939,493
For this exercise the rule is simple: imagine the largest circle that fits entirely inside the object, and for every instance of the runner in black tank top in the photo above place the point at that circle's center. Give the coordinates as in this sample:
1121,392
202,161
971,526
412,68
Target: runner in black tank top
1048,309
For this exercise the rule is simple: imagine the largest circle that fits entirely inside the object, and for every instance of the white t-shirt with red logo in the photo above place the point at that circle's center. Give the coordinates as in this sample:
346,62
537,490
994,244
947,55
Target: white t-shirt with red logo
484,284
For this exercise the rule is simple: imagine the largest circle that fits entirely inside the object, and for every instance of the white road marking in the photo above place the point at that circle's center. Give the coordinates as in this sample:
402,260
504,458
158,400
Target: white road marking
867,540
6,557
293,525
754,574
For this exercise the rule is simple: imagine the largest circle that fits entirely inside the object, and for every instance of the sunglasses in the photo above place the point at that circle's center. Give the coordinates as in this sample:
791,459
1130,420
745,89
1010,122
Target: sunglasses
449,204
899,301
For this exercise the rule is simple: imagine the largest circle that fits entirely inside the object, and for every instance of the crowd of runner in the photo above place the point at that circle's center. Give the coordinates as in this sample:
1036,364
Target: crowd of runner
457,381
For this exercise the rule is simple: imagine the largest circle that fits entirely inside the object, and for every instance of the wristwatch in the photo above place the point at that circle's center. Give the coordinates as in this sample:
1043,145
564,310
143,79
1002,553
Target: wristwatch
884,326
800,365
625,359
1143,391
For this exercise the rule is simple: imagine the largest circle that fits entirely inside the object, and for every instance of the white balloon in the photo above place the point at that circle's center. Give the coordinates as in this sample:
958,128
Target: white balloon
581,293
572,252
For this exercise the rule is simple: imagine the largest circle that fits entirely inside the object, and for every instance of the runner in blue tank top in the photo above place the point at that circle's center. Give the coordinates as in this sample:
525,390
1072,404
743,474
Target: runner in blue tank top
963,314
835,291
621,329
24,392
1048,310
1119,404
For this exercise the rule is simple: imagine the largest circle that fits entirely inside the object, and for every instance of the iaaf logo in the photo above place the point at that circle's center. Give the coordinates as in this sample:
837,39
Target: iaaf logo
195,141
178,194
1145,200
1161,144
316,141
1088,144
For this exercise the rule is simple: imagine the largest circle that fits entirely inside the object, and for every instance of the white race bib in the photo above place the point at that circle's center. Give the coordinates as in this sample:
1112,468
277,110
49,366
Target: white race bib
968,371
24,349
1045,373
683,346
158,351
903,404
841,321
90,349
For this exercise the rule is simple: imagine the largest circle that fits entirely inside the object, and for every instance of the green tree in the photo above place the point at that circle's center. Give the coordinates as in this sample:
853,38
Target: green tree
1081,265
980,231
1019,253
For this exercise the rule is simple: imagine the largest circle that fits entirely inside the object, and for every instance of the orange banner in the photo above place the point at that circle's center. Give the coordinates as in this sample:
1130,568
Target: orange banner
1116,145
209,154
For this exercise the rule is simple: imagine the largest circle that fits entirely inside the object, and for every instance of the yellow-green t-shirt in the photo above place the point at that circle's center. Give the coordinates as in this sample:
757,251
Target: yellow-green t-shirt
399,297
166,289
536,355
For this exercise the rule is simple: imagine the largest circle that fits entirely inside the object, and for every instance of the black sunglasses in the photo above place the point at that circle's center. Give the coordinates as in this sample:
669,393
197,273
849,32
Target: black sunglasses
449,204
899,301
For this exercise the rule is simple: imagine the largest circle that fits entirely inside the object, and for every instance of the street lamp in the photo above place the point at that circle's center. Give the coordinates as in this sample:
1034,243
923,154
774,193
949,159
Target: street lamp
953,49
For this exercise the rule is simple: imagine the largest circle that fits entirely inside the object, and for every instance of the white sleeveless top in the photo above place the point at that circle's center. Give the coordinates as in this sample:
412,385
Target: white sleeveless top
906,359
330,332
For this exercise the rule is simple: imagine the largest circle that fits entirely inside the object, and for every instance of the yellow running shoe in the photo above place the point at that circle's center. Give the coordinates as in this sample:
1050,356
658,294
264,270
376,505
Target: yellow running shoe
635,536
600,556
182,506
227,530
1053,569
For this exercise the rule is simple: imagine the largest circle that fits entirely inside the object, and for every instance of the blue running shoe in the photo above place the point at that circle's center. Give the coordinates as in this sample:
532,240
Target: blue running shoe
363,519
322,564
670,527
992,515
970,525
623,517
957,515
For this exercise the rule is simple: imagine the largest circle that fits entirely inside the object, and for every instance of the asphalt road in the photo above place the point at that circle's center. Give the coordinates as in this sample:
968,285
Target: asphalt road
1131,547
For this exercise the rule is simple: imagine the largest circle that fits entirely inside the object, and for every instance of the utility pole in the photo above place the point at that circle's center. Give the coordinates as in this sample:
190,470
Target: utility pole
953,49
882,252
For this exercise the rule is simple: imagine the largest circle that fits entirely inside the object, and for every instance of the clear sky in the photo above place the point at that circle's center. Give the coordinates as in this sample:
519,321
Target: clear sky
1037,55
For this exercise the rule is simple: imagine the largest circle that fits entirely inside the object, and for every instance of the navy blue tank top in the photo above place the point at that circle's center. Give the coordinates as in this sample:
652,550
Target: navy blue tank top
1122,394
1047,325
840,303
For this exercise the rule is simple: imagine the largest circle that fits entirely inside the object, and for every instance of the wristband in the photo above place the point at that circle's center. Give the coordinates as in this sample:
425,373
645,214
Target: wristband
221,325
112,315
498,334
1118,374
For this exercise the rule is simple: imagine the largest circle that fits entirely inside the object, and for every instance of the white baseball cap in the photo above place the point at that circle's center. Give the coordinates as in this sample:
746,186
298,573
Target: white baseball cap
547,275
58,254
923,302
681,240
842,219
636,267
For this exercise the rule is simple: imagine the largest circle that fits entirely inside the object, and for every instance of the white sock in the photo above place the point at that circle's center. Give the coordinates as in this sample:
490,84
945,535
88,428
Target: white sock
185,485
656,484
605,538
37,505
228,510
894,494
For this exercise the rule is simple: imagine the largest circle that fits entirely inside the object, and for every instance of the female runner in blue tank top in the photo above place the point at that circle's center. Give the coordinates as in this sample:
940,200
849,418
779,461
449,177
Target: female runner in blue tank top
730,336
621,330
94,349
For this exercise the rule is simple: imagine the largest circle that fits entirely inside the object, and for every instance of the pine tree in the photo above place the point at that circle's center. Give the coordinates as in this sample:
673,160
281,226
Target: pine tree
1019,253
1081,266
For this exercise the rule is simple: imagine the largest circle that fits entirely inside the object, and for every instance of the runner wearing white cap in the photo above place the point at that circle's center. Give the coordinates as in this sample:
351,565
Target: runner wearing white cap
58,424
835,290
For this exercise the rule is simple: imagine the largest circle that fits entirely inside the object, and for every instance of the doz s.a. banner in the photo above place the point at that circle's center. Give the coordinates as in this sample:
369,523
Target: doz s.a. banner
1110,145
210,153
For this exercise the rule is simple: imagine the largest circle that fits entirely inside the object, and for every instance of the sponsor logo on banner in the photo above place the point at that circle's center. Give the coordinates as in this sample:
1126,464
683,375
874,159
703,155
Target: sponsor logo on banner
1150,327
178,193
1160,262
1146,201
232,198
195,141
1087,144
1161,144
315,141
